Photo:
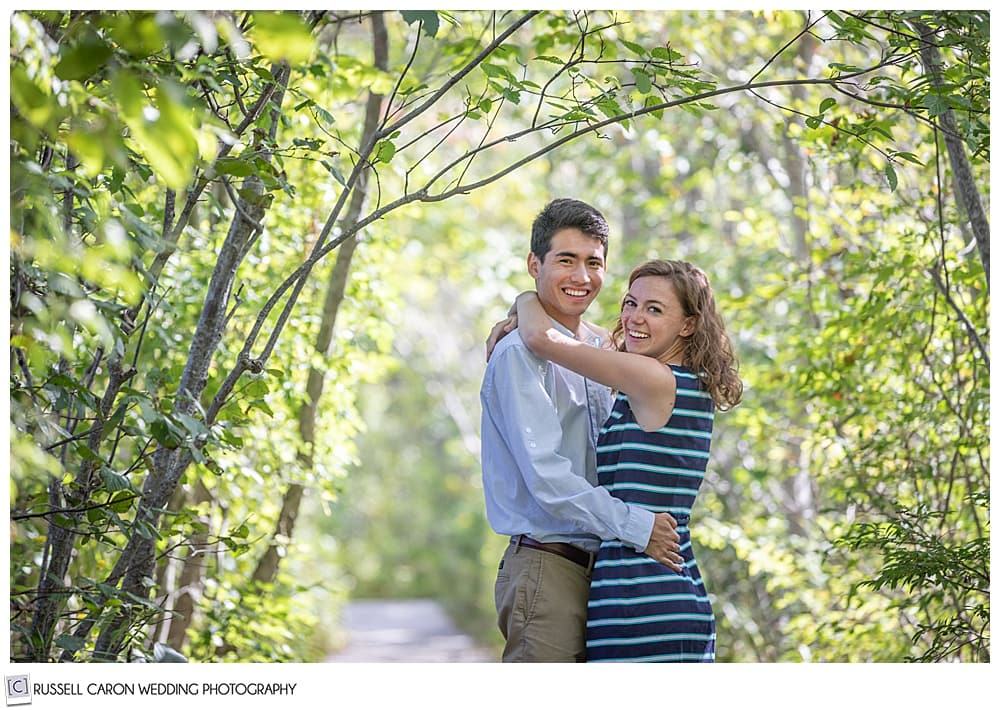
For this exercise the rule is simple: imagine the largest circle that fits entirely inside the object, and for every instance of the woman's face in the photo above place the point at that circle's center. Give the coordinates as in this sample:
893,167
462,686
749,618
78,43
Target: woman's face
653,319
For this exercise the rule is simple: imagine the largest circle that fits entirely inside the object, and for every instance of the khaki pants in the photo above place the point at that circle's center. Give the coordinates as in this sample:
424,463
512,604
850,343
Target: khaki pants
541,601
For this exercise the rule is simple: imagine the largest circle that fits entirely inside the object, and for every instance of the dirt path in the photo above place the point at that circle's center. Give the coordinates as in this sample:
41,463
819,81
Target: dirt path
409,630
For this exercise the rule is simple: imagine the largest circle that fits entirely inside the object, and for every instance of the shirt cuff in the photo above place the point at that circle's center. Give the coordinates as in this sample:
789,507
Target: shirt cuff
638,527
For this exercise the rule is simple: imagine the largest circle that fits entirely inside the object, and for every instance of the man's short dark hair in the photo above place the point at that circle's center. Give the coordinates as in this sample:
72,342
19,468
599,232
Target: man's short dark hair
561,214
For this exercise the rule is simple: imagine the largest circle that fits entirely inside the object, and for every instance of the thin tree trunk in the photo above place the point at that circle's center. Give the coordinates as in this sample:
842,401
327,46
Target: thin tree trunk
188,588
138,558
798,500
267,566
51,592
967,192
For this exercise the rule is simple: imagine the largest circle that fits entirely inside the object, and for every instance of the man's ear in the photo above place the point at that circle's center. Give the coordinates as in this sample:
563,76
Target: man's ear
534,265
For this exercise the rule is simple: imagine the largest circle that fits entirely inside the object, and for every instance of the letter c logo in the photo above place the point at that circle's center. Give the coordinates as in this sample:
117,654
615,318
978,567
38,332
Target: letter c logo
17,686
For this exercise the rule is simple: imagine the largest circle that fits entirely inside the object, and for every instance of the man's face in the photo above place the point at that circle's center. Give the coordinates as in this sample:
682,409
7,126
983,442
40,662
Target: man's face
570,276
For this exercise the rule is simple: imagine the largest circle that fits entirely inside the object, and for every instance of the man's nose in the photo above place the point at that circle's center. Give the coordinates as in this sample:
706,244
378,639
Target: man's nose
581,274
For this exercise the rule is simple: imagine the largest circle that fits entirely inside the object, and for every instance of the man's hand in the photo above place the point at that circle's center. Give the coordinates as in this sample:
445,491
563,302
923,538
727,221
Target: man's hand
664,542
499,330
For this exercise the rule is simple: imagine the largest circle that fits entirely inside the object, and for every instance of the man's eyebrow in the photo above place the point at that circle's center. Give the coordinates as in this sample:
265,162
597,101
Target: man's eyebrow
575,255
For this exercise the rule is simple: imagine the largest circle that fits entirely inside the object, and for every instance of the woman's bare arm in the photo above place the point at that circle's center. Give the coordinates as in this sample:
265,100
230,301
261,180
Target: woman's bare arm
650,385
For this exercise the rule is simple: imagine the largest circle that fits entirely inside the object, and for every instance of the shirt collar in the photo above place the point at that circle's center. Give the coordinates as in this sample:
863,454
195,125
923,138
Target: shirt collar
590,337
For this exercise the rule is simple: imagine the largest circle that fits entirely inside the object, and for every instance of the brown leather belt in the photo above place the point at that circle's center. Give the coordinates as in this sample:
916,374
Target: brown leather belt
563,549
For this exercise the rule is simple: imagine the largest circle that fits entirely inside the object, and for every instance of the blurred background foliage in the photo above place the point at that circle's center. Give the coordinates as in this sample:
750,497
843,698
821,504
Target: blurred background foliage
845,511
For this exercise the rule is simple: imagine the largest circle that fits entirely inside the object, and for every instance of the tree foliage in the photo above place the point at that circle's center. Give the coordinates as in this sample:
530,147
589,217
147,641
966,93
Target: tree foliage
187,364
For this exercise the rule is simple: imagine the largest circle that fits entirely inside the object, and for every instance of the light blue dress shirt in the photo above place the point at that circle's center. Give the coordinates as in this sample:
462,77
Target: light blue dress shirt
539,437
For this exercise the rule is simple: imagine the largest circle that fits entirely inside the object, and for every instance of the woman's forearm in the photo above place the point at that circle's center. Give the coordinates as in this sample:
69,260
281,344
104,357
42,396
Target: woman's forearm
536,328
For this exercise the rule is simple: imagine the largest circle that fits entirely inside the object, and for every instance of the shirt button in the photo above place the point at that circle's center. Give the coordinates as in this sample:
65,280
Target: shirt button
527,430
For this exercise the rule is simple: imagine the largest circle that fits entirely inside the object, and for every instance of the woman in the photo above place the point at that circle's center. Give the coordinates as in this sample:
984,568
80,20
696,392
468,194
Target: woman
673,366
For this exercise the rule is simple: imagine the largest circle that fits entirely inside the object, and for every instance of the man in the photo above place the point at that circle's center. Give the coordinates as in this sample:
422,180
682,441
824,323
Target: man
539,433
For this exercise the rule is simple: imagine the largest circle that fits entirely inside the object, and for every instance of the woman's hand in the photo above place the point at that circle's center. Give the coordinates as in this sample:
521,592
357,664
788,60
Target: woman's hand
499,331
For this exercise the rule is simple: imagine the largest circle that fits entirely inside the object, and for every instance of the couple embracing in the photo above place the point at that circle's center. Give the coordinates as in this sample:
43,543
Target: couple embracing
594,445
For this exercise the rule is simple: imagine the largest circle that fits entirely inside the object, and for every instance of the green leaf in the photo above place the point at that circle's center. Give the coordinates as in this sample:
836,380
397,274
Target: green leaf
84,58
910,157
430,20
262,406
283,36
137,33
890,175
164,434
256,388
633,47
165,132
814,122
384,151
666,53
936,104
114,481
39,108
325,115
846,68
827,104
611,108
195,427
642,81
233,166
334,172
113,421
122,501
70,643
494,70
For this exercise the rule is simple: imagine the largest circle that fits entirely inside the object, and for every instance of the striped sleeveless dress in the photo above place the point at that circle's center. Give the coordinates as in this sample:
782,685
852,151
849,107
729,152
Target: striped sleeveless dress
639,609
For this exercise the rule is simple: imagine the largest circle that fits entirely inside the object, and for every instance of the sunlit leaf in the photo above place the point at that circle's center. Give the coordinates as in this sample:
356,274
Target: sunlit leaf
84,57
137,33
633,47
283,36
384,151
40,109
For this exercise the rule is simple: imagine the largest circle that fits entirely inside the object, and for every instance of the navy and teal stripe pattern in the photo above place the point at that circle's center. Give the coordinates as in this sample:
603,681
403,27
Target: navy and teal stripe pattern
640,610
